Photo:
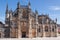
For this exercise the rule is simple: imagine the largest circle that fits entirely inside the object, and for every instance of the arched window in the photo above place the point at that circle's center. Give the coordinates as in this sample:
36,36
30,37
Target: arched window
39,29
53,28
47,20
24,13
46,28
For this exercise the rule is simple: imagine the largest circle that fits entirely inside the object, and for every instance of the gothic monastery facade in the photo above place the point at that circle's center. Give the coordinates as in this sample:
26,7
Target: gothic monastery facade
24,23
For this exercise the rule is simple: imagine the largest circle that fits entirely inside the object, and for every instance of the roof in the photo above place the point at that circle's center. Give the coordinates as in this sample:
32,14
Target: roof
1,22
23,6
58,25
44,16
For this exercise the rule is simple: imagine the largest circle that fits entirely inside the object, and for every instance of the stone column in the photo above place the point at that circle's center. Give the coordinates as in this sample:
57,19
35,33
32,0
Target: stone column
18,24
36,30
56,30
43,27
51,30
56,27
19,29
36,23
43,30
30,29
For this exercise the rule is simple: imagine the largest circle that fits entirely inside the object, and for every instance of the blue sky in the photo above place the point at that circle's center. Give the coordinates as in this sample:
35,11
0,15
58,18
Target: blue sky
51,7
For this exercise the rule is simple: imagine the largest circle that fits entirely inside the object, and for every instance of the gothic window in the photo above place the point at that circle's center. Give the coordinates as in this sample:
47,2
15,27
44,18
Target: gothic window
32,22
39,29
43,20
24,13
7,32
21,23
24,23
40,21
11,23
50,28
14,24
53,28
46,28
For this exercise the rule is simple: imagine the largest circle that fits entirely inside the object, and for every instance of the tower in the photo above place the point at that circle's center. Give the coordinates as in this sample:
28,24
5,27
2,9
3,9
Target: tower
18,22
7,16
7,23
18,9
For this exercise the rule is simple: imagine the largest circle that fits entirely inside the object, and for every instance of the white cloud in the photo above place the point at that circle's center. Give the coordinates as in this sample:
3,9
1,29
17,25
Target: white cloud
54,8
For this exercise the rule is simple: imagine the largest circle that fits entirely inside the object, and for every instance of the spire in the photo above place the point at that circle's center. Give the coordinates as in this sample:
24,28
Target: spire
47,15
7,11
29,4
42,13
56,19
6,8
18,5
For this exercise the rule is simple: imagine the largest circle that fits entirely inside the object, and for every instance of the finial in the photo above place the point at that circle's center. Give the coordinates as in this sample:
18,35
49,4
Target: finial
42,13
47,14
18,4
7,7
36,11
56,19
29,4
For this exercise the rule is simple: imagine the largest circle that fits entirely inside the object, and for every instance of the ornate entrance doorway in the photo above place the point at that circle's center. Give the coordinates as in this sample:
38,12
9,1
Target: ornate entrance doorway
23,34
